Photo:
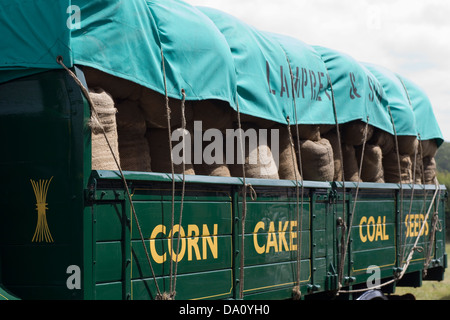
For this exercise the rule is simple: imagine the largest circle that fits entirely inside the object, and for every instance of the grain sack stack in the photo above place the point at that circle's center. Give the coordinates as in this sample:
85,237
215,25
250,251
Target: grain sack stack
371,160
288,165
316,153
429,149
158,142
153,105
398,164
131,129
353,137
216,116
259,162
102,158
330,133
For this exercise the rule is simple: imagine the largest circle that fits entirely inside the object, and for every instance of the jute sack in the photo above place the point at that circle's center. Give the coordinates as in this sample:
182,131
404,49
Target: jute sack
212,167
372,163
429,165
353,133
258,158
158,142
288,164
251,121
334,141
317,160
153,105
391,169
351,168
117,87
102,158
133,145
306,132
419,177
384,140
407,145
213,114
428,148
325,128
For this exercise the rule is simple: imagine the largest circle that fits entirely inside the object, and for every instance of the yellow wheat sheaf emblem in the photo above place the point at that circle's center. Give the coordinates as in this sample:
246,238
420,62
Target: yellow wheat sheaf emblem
42,232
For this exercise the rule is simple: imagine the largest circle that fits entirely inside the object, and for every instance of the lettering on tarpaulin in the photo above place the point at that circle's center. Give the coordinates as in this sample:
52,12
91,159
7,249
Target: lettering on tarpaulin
308,84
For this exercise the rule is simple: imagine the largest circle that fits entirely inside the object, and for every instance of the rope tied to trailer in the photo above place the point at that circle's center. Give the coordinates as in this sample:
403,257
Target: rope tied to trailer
85,92
183,189
244,206
296,292
352,213
399,275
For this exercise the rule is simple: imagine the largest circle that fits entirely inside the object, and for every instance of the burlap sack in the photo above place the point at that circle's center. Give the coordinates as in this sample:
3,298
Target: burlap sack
317,160
372,163
353,133
218,167
429,165
117,87
213,114
383,139
332,136
158,142
325,128
391,168
428,148
306,132
351,167
153,105
259,160
102,158
251,121
133,145
419,177
288,164
407,145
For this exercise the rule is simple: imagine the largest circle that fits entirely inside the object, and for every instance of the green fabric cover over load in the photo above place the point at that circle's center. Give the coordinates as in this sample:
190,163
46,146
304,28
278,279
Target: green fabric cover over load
201,65
358,94
426,124
34,33
397,99
405,129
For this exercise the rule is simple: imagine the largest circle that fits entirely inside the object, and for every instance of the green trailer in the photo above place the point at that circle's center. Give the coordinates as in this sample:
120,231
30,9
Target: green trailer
68,232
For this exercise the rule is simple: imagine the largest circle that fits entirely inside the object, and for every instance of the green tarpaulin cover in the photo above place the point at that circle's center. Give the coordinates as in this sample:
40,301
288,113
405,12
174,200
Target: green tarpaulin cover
426,123
397,99
358,94
264,62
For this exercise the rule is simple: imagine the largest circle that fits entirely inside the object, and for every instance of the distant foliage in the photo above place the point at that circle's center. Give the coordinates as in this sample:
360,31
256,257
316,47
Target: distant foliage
443,175
443,158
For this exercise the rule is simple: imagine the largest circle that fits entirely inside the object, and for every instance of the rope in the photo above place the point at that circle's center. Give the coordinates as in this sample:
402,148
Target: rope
244,206
341,222
405,266
171,294
344,249
85,92
183,127
435,222
296,290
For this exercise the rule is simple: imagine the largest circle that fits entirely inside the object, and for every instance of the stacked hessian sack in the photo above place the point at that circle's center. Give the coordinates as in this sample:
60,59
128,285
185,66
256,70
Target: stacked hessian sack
135,121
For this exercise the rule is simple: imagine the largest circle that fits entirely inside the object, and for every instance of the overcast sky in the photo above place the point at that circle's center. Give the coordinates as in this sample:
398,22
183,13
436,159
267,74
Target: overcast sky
410,37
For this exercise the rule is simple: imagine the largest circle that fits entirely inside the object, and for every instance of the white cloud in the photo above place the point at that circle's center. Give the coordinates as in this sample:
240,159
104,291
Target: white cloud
410,37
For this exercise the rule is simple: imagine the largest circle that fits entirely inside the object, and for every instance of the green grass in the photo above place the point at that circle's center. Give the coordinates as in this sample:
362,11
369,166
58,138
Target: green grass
431,290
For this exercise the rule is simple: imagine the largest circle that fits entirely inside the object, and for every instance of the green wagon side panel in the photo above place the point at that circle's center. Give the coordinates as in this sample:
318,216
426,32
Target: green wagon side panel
41,222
